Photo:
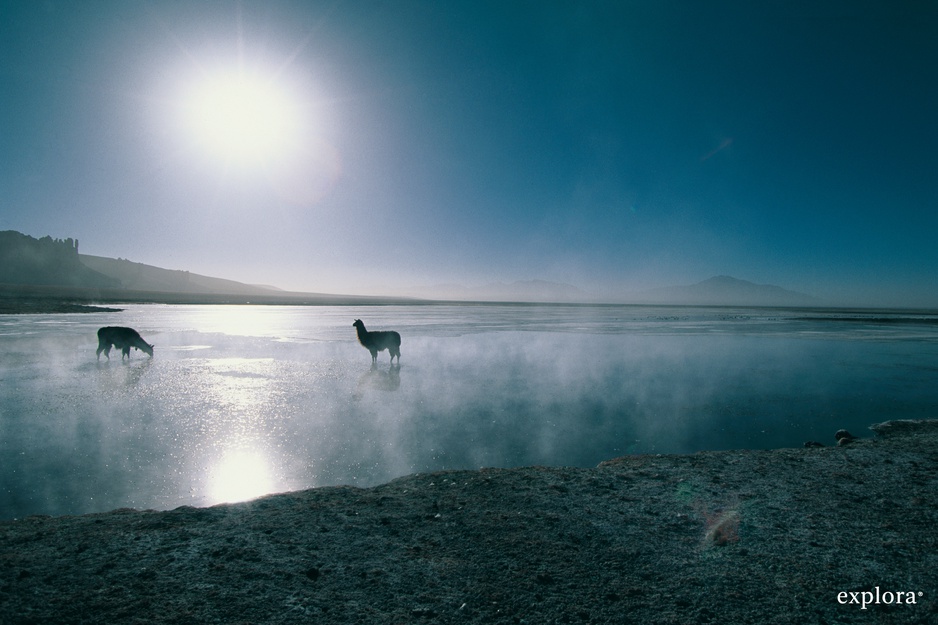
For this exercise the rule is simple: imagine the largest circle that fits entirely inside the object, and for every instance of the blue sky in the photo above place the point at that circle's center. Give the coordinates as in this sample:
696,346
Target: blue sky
615,146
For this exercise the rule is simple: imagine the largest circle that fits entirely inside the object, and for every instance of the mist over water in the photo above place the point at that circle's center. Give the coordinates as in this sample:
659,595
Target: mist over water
241,401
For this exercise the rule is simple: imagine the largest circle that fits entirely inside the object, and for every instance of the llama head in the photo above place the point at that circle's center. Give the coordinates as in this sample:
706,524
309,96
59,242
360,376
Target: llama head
147,348
358,324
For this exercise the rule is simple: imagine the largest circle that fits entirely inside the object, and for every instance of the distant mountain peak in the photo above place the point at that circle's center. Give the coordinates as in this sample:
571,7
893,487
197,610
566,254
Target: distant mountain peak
724,280
727,291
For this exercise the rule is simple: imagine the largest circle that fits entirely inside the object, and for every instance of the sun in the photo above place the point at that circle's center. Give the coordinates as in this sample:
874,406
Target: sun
256,122
242,118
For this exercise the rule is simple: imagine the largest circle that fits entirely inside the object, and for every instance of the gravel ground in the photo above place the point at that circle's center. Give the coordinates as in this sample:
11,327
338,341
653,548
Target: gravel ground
813,535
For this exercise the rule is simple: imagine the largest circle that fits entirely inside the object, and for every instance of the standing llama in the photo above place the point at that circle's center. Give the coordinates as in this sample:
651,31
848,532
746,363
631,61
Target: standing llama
376,342
123,339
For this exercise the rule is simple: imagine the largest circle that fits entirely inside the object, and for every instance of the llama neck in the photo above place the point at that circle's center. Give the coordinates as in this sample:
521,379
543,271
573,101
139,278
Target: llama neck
143,346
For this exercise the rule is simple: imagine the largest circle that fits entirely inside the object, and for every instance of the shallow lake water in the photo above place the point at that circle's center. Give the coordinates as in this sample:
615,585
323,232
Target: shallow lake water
240,401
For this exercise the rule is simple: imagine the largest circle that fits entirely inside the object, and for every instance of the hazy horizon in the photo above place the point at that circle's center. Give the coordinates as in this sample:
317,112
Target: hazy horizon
376,147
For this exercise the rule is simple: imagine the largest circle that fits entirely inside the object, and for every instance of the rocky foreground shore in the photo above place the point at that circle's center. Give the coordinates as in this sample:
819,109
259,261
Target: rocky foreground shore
837,534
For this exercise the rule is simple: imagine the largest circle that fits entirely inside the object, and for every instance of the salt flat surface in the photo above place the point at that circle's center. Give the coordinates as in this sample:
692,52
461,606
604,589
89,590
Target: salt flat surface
241,401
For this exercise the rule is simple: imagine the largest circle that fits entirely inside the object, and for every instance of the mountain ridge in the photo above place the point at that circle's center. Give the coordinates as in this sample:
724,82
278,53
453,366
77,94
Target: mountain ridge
48,262
25,260
725,290
46,274
142,277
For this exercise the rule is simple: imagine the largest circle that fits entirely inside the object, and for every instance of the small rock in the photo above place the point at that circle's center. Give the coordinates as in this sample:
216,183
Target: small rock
844,437
813,444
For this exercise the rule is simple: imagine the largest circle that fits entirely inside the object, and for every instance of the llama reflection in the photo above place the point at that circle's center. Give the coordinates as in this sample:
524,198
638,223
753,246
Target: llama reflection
380,379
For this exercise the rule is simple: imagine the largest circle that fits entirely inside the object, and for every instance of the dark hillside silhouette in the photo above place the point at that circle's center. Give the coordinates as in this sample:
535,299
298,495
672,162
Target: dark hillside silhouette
141,277
45,262
49,275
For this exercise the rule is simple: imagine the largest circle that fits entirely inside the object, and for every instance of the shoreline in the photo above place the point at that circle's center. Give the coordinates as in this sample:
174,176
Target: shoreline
25,299
18,299
49,306
776,536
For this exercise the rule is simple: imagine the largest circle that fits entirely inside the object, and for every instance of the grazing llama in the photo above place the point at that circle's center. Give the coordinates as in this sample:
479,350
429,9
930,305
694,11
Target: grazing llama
123,339
376,342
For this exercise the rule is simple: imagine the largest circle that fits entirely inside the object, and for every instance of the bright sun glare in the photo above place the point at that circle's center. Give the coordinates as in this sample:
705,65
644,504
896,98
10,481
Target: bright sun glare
240,475
242,118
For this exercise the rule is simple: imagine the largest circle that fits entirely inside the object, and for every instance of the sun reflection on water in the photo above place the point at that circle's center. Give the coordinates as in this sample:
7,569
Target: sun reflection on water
247,320
239,392
239,475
